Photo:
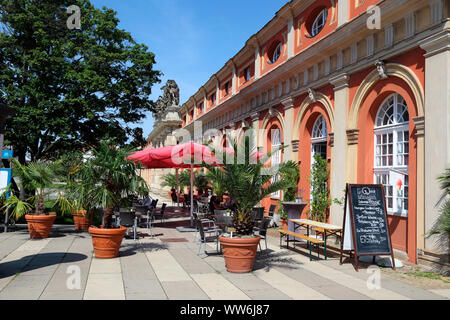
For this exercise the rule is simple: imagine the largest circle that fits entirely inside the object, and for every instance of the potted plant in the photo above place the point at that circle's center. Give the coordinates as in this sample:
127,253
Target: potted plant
320,193
38,180
291,174
283,216
108,180
247,182
70,167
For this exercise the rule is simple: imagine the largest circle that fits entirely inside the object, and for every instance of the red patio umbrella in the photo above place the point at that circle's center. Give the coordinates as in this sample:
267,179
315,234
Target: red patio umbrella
188,155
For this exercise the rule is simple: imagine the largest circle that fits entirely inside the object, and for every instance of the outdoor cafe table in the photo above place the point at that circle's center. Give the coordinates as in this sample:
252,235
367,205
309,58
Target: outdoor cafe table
319,227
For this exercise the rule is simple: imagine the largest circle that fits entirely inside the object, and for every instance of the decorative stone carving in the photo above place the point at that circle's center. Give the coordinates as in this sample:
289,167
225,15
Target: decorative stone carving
312,95
170,97
352,136
381,68
331,135
420,126
295,145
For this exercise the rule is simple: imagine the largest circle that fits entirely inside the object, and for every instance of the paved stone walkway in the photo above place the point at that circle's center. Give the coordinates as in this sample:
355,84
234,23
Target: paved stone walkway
156,269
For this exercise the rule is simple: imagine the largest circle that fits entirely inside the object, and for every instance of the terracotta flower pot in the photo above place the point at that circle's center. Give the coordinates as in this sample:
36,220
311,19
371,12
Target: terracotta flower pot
40,226
284,224
82,222
107,242
239,253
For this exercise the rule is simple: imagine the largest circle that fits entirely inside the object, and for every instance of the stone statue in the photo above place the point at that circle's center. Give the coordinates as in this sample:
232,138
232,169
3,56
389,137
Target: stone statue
169,98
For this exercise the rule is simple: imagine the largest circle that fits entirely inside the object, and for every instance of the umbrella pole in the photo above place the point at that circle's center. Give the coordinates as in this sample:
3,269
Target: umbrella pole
192,195
178,190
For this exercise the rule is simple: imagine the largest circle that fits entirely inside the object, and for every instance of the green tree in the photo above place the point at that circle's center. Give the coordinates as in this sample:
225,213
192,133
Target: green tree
320,193
70,88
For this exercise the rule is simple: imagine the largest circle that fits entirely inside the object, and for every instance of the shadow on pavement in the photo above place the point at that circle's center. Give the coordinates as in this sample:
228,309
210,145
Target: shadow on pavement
37,261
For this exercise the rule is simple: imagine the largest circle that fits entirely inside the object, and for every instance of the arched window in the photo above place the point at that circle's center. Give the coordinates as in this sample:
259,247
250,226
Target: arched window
276,53
319,138
319,22
391,157
276,156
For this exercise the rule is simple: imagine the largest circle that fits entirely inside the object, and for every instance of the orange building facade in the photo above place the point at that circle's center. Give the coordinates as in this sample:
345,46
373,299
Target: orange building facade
364,83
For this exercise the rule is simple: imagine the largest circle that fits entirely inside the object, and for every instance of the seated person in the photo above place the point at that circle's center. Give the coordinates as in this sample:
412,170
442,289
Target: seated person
147,201
173,195
229,204
214,204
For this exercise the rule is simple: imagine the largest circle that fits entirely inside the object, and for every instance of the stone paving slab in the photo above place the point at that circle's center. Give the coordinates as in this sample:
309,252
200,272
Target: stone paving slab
184,290
391,284
166,267
218,288
292,288
104,286
321,284
254,287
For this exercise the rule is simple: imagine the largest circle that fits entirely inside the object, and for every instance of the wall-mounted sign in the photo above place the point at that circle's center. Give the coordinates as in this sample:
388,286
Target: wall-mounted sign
5,180
366,228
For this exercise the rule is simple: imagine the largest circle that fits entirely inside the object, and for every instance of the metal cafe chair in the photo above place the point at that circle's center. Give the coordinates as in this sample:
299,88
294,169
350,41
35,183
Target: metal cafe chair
208,224
129,220
207,236
262,231
160,214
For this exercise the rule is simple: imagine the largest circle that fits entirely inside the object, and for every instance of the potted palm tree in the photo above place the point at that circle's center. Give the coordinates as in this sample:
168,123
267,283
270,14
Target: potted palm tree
108,180
247,182
38,180
71,165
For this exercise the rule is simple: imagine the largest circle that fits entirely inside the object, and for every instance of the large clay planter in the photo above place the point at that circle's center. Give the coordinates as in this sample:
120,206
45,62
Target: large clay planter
82,223
107,242
239,253
39,227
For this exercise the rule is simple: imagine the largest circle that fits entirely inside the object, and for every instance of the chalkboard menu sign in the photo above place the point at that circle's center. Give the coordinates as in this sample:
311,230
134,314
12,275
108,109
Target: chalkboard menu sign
366,229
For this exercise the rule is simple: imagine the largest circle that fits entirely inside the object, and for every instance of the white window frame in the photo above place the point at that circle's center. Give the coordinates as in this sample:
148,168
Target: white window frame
399,169
276,142
316,28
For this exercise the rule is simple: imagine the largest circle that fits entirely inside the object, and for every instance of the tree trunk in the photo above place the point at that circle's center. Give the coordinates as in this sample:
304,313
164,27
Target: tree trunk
107,218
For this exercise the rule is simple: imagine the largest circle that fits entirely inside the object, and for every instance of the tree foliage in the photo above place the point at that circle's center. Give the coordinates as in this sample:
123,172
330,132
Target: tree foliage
70,88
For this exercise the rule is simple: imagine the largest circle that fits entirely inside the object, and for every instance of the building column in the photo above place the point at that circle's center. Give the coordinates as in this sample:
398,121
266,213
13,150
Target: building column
339,145
234,81
420,182
437,123
255,128
290,37
351,164
257,62
289,127
343,10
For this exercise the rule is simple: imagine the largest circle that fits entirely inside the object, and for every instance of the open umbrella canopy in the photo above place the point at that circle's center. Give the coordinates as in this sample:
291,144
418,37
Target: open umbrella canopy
185,155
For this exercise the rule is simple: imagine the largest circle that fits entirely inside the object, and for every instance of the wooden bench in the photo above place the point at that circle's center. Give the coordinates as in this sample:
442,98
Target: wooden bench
310,240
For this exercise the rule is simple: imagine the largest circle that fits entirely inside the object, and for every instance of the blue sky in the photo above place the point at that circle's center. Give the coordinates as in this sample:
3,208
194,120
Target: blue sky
192,39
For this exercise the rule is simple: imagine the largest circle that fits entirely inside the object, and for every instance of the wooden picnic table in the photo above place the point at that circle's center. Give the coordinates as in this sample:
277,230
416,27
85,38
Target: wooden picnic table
325,229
